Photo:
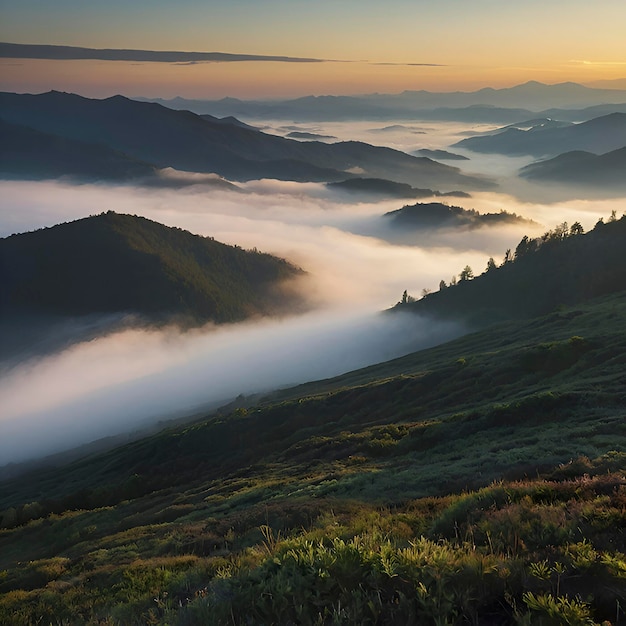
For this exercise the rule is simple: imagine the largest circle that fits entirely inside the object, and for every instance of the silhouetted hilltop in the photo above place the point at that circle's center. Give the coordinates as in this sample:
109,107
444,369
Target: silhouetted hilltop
561,268
599,135
439,215
184,141
121,263
581,168
230,119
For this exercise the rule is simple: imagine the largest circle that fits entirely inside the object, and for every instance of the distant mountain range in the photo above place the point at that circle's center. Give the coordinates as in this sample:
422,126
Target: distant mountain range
162,137
599,135
582,168
111,263
567,101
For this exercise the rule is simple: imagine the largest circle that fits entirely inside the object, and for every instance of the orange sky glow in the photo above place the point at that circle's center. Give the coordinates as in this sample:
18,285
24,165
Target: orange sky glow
255,79
472,44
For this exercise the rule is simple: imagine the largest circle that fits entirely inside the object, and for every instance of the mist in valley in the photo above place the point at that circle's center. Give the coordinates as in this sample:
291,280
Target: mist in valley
133,378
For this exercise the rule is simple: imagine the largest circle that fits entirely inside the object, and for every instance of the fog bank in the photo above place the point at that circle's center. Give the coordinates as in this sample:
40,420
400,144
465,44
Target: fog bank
135,378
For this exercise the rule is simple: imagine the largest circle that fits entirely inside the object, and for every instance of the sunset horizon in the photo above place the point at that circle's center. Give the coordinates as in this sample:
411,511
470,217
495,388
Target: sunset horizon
360,49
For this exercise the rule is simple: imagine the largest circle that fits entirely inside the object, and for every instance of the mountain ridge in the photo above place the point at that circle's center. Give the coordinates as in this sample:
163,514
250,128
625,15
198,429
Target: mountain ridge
181,139
598,135
581,168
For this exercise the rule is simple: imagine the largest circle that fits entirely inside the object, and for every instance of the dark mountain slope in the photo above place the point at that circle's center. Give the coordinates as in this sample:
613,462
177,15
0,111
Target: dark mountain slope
31,154
185,141
599,135
558,269
581,168
120,263
227,120
441,155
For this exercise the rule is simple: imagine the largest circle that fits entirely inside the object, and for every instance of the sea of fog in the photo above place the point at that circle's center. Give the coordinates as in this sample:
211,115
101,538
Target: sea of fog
131,379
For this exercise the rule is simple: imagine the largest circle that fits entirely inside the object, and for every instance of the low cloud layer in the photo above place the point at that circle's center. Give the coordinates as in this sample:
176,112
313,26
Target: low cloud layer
132,379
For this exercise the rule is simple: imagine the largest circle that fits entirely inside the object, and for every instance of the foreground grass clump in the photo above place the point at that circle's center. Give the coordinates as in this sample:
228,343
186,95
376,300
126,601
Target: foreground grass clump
543,551
519,554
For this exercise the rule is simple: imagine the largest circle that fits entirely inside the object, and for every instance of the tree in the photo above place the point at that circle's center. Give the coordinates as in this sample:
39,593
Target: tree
466,274
491,264
406,298
508,257
453,281
442,285
525,246
426,291
576,229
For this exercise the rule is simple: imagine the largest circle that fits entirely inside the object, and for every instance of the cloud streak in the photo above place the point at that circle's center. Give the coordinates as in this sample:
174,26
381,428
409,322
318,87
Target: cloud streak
67,53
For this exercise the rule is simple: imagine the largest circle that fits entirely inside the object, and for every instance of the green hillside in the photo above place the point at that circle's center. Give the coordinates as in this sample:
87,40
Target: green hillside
479,482
121,263
562,267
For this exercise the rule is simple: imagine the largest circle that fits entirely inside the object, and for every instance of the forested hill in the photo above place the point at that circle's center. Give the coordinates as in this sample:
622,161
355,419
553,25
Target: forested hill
122,263
562,267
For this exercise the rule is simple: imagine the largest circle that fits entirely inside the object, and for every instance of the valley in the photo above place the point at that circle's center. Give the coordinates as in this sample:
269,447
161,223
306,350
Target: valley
276,362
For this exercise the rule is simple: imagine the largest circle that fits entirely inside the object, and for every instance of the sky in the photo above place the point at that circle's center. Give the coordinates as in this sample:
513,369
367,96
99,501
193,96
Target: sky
367,46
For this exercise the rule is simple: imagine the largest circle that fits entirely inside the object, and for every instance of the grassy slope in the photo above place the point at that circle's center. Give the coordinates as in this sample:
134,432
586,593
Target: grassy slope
192,516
